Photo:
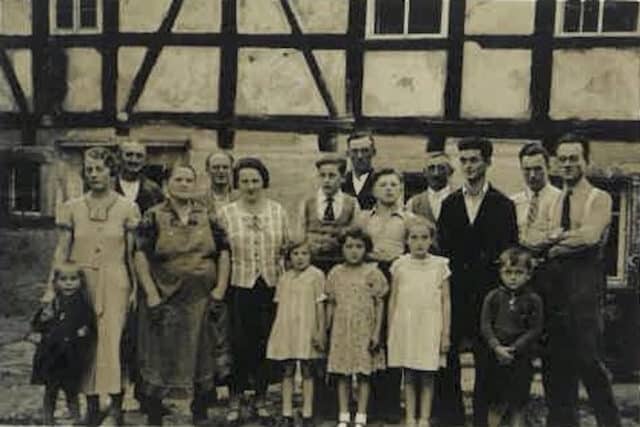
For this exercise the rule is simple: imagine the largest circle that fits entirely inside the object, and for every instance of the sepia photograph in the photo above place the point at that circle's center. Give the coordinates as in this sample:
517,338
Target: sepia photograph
318,213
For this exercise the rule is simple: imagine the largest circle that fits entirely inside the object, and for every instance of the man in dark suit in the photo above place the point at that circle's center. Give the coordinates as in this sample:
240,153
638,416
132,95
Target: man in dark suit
476,223
361,150
131,182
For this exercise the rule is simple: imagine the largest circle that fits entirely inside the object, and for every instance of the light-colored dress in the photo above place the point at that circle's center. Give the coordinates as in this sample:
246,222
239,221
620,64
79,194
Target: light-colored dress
297,295
416,324
353,291
99,248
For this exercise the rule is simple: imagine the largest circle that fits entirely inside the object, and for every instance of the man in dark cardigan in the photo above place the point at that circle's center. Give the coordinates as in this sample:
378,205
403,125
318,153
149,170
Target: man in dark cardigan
476,223
361,150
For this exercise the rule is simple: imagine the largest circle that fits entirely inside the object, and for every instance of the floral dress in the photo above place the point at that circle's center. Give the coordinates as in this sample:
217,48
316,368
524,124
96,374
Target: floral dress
353,292
298,295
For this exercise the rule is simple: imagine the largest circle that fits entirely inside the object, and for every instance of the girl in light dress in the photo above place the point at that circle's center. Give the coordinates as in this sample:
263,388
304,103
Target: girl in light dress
298,333
419,318
355,291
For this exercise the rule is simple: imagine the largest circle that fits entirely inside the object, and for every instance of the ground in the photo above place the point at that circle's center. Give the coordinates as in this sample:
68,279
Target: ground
20,403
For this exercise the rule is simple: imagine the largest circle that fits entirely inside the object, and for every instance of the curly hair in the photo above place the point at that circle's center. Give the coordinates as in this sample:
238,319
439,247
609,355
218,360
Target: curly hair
106,155
357,233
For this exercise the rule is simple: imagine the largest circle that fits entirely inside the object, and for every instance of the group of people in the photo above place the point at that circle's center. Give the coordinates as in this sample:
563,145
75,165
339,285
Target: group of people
356,287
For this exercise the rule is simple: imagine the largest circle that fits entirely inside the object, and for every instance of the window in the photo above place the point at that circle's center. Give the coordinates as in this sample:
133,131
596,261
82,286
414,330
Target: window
75,16
588,17
25,189
407,18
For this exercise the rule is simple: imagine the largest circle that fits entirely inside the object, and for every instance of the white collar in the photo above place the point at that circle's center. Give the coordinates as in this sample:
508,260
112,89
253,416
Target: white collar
322,196
446,190
483,190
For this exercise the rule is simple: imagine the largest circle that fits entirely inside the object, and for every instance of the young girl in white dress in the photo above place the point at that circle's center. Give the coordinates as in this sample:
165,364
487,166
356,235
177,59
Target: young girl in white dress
419,318
298,333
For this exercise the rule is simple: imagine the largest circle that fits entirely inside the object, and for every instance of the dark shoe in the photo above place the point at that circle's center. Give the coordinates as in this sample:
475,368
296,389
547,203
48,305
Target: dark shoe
199,413
286,422
308,422
115,410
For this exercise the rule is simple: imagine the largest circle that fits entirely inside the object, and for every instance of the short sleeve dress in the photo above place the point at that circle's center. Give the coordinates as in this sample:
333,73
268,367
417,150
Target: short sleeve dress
416,324
353,291
297,295
99,248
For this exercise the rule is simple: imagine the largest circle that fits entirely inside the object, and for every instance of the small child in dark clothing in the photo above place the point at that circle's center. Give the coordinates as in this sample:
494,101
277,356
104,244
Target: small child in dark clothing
511,323
68,329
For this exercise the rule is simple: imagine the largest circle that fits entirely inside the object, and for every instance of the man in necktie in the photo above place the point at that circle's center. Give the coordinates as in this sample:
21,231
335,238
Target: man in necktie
574,321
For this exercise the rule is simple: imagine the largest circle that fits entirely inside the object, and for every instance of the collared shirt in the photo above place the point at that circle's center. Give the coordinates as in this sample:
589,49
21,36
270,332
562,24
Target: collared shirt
436,198
359,181
537,231
387,232
590,215
473,202
322,203
256,240
130,189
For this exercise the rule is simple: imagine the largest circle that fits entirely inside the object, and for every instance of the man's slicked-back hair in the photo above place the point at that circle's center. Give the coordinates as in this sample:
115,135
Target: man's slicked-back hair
572,138
533,149
476,143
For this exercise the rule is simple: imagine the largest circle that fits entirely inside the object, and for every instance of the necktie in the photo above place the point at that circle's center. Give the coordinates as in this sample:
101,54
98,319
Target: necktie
565,219
532,213
329,215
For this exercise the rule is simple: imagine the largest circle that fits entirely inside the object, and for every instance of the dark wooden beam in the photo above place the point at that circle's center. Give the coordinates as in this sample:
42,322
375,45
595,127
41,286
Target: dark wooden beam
542,61
110,25
228,79
453,86
310,59
355,57
151,56
40,35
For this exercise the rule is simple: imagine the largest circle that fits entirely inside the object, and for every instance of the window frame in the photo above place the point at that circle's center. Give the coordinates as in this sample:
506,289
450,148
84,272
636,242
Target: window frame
619,280
12,192
371,24
559,30
76,19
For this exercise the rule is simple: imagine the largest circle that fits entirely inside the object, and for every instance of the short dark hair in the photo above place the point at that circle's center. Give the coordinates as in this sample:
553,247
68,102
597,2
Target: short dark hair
517,255
475,143
251,163
333,159
384,172
572,138
360,135
224,153
358,233
292,245
106,155
181,165
533,149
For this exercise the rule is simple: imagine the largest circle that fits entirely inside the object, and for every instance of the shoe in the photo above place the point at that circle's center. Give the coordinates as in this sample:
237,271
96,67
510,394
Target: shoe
424,423
410,422
308,422
360,420
344,420
286,422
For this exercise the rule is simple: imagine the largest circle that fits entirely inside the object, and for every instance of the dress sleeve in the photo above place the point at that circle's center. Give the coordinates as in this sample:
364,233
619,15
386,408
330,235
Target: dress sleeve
487,318
64,218
219,235
446,271
377,283
147,233
132,220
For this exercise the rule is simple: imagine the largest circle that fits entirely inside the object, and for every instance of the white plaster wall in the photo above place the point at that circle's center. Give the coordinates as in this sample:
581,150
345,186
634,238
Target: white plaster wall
408,83
495,82
199,16
129,61
183,80
596,84
21,61
322,16
142,15
84,80
499,16
332,64
261,17
15,17
276,81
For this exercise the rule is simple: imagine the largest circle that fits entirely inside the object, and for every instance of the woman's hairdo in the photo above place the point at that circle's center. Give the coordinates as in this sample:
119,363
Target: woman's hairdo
517,256
251,163
106,155
358,233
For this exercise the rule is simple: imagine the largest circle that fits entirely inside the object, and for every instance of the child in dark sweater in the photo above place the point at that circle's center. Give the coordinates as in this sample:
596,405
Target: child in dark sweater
511,323
68,330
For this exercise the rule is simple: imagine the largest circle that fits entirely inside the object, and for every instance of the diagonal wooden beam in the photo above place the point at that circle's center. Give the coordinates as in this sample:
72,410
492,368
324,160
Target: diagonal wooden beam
321,84
14,83
151,56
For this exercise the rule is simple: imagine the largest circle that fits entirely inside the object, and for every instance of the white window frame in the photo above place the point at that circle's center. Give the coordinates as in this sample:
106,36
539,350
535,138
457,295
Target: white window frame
12,195
560,6
371,24
619,278
76,19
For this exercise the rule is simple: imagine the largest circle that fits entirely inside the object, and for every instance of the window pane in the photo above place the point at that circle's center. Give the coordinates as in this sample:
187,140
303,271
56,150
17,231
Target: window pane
425,16
590,18
27,187
64,14
88,14
572,10
620,15
389,17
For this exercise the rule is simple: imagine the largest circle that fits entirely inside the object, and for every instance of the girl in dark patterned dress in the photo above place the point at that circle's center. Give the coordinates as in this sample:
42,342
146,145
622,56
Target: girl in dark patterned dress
68,329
